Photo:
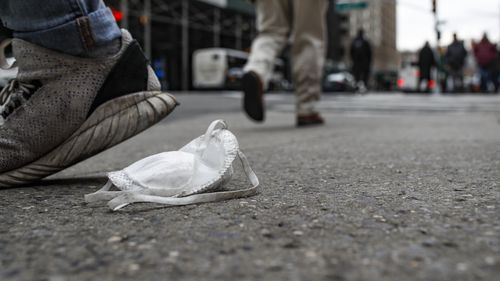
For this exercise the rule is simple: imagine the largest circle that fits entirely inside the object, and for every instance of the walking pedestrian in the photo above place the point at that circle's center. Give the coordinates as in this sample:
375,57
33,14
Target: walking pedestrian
455,61
278,21
83,86
496,75
426,62
486,53
361,56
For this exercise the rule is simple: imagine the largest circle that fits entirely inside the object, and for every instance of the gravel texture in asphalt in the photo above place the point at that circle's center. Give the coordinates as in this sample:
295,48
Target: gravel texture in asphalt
372,195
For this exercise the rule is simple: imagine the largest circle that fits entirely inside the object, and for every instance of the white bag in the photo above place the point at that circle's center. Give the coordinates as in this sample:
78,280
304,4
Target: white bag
187,176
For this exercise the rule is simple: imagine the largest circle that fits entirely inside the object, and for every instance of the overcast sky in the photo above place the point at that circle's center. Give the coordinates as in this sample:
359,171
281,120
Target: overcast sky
470,18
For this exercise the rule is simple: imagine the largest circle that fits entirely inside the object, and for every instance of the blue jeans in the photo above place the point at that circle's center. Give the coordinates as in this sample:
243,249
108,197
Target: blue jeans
486,77
70,26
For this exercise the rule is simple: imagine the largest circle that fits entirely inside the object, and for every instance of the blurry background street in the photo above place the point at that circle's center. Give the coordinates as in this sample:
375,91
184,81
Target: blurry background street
386,190
204,44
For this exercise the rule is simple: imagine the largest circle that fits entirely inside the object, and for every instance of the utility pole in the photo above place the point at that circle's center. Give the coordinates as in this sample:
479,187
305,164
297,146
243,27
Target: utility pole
217,27
238,33
185,45
124,10
147,28
437,24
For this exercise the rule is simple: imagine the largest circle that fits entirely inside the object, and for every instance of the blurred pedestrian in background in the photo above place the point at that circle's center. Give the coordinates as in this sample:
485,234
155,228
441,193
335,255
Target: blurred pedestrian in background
426,62
361,56
486,54
83,86
278,21
496,74
455,61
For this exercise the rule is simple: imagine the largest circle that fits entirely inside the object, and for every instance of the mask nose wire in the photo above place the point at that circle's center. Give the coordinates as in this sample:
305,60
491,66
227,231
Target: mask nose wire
215,125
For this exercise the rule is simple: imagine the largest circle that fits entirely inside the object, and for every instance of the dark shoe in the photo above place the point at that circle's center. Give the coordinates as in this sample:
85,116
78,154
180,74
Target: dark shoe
310,120
253,100
63,109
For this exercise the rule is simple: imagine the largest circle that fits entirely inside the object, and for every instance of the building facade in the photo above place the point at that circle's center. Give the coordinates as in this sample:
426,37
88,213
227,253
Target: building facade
378,21
170,31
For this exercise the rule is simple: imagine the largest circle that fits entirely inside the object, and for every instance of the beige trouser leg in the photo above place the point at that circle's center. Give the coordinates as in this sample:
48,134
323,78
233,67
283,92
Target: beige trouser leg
274,24
308,52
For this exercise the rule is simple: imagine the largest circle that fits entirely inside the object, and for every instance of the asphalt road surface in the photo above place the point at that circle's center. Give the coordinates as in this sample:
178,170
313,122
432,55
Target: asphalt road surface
393,187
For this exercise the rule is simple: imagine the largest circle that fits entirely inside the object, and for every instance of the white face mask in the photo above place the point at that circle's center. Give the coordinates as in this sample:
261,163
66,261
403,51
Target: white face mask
181,177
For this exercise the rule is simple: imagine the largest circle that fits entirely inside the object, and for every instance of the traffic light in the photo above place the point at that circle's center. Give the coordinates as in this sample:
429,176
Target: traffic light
114,6
343,34
338,34
344,24
117,14
434,6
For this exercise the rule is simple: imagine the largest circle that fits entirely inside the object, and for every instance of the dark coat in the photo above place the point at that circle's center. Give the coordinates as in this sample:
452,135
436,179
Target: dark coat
455,55
361,53
426,61
485,53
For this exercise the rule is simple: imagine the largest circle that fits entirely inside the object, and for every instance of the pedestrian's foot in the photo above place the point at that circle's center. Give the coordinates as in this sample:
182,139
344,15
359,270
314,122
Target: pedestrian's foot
63,109
253,100
312,119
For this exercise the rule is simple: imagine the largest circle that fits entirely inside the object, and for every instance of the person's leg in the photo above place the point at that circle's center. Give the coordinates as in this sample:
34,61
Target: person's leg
453,76
62,109
424,76
419,85
461,87
308,53
273,25
428,84
483,78
76,27
356,72
490,77
496,77
366,75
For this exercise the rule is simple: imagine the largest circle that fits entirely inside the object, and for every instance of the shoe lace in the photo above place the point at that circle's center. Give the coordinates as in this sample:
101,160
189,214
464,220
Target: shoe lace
16,92
14,95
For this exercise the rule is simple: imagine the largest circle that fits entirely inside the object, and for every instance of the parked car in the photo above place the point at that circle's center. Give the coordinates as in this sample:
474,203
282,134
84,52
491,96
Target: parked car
385,80
7,75
338,80
409,77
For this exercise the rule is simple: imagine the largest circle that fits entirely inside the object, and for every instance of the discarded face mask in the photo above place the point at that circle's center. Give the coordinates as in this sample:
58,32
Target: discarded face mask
194,174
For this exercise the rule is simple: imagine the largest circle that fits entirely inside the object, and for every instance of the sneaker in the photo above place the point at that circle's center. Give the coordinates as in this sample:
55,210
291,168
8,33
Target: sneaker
63,109
253,100
310,120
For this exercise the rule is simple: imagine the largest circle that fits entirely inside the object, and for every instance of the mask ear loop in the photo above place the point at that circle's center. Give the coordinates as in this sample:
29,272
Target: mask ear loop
252,177
102,194
129,197
215,125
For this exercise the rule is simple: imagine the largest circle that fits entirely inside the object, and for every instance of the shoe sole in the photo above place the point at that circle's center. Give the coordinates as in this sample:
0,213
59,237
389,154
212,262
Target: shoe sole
252,100
110,124
310,124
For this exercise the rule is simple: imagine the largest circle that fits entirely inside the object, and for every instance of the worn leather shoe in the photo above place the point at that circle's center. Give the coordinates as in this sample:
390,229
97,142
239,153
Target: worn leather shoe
253,100
310,120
